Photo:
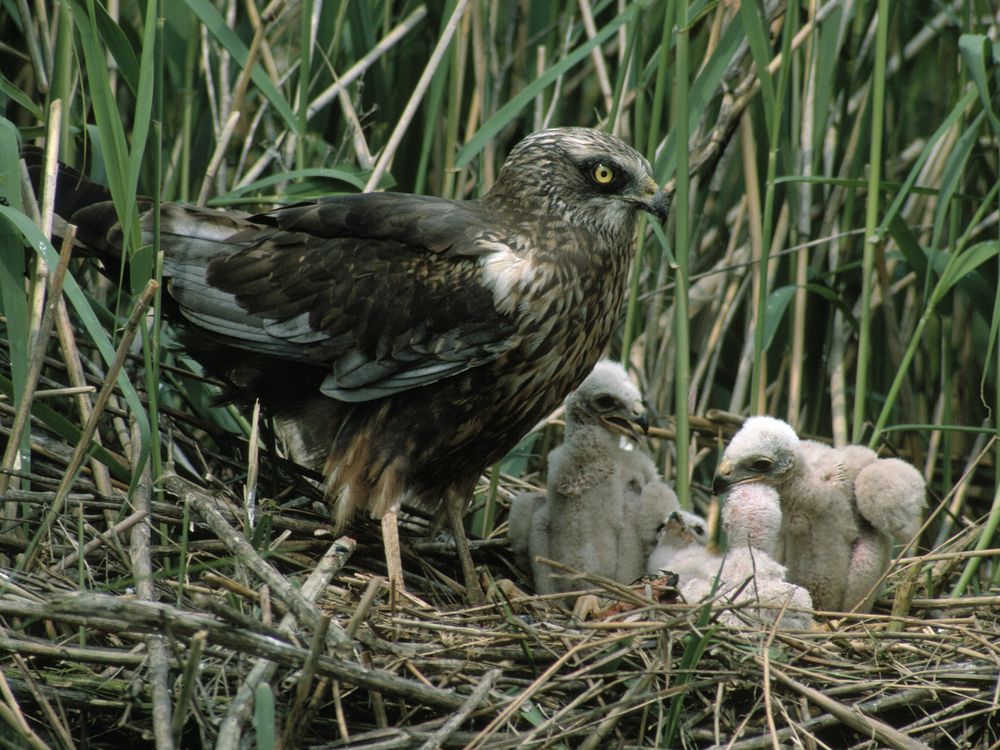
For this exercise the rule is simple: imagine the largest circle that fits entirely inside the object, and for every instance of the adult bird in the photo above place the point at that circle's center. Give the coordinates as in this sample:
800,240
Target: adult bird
404,343
841,508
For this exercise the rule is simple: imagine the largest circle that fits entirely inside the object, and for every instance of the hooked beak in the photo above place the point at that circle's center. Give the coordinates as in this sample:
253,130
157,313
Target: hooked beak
654,200
727,474
630,426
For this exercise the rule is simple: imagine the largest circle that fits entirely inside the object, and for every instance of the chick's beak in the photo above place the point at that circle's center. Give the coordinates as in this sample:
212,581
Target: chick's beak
727,474
723,477
628,425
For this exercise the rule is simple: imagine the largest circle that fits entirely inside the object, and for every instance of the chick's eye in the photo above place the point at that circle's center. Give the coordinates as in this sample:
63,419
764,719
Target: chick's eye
605,403
761,465
602,174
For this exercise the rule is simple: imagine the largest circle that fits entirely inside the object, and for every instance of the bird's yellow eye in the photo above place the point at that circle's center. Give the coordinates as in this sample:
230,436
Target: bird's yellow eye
602,174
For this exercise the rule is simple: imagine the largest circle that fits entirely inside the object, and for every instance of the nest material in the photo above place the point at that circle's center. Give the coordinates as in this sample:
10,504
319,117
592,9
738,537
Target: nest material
184,621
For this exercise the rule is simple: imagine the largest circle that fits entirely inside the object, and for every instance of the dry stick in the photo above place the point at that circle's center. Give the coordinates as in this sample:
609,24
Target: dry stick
515,704
852,717
297,713
118,614
264,669
241,549
103,538
36,359
83,445
59,392
40,319
418,94
265,48
55,723
74,370
253,467
455,720
566,714
596,54
15,721
62,652
594,740
142,571
356,70
884,703
338,705
217,156
364,606
766,664
375,696
13,716
51,166
188,679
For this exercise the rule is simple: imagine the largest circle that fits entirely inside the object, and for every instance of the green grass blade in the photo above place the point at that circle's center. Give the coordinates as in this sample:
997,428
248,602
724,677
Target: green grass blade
702,93
13,295
216,26
871,219
752,20
35,239
523,99
118,45
67,430
682,276
11,91
975,49
952,176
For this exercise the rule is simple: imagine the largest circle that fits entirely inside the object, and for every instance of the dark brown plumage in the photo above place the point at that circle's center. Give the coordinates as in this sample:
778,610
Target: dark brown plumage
404,343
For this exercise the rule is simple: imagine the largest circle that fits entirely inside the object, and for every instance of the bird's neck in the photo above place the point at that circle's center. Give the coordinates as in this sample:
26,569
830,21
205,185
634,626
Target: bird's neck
591,438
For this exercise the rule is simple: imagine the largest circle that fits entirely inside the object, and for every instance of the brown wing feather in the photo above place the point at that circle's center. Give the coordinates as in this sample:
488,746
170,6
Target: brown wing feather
386,313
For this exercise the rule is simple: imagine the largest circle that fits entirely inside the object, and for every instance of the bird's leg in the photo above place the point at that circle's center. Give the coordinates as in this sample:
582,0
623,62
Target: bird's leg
393,560
455,506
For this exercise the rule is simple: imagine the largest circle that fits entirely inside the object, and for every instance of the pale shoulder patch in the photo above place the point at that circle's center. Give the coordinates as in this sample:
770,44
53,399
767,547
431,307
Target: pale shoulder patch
505,273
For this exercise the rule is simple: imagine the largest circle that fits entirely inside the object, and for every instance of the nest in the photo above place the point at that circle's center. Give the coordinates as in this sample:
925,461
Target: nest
180,611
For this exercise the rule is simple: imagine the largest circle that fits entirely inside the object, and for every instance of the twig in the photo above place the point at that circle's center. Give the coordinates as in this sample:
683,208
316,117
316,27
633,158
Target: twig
142,571
852,717
55,723
604,728
217,156
355,71
188,680
13,716
114,614
364,606
296,715
883,703
415,98
264,669
455,720
237,544
83,444
36,358
103,538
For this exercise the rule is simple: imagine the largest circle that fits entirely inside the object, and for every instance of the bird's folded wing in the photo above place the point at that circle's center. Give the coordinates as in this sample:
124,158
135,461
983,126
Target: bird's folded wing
383,289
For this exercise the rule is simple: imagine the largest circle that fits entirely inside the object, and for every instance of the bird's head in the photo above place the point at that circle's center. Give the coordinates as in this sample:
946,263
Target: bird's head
764,450
590,179
695,525
607,398
675,532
